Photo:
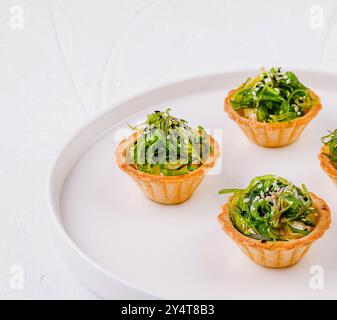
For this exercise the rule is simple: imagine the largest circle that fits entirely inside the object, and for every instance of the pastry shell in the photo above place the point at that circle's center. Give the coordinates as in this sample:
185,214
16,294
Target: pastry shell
272,135
327,165
278,254
165,189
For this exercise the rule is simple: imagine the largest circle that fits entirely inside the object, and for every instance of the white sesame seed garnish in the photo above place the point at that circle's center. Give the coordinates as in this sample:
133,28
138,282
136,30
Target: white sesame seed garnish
256,198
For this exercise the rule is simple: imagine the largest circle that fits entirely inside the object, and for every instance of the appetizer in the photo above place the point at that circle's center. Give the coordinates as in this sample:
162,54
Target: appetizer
328,155
273,221
166,157
273,108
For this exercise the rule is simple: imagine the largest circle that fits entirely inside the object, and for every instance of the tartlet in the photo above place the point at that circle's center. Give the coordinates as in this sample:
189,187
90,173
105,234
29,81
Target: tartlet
166,186
281,122
328,156
288,250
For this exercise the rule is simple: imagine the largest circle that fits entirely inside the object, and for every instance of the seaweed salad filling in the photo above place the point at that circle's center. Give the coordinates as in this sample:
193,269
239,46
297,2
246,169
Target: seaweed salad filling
330,141
273,96
272,209
168,146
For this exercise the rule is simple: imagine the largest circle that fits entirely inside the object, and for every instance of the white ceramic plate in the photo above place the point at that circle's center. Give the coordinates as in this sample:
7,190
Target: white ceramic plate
122,245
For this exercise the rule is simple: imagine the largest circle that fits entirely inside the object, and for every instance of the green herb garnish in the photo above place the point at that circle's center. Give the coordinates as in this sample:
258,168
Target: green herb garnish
168,146
272,209
330,140
273,96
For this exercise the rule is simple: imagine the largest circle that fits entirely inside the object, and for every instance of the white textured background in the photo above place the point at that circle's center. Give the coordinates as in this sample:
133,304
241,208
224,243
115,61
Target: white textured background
74,58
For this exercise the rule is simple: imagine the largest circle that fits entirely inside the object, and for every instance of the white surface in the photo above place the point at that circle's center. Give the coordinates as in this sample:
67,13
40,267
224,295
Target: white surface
74,58
180,251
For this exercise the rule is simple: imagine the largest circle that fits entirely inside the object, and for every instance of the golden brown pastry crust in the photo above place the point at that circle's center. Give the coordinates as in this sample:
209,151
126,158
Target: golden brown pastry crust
272,135
165,189
268,253
327,165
